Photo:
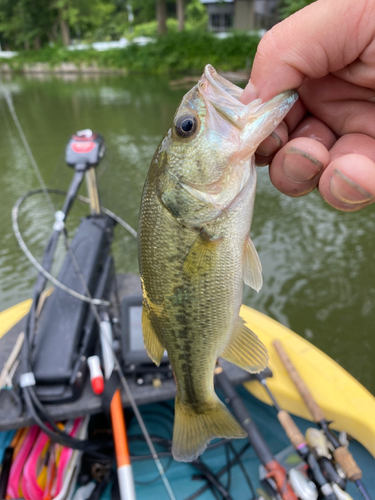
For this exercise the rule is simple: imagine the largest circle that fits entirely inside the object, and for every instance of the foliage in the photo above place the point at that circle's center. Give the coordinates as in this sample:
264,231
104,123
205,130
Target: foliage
196,15
28,23
22,21
289,7
151,28
186,52
84,12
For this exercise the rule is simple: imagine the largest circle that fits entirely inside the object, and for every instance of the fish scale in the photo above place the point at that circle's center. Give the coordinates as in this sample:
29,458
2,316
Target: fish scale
195,251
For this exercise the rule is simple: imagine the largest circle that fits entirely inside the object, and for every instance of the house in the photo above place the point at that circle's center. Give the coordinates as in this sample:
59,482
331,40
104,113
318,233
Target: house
245,15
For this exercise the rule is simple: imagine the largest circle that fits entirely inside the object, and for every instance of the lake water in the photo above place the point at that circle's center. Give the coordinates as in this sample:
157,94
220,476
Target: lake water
319,275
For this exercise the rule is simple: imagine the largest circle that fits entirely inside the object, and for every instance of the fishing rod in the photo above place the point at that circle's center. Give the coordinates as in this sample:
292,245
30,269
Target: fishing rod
318,444
341,454
124,467
275,470
35,407
298,441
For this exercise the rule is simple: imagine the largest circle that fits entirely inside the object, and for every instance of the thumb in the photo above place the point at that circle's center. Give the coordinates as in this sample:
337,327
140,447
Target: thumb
323,37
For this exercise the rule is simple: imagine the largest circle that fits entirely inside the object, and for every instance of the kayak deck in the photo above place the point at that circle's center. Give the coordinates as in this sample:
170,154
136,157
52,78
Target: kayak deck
341,397
158,419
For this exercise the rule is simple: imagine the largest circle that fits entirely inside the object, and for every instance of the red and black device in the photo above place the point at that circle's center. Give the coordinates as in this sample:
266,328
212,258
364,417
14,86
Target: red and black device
85,148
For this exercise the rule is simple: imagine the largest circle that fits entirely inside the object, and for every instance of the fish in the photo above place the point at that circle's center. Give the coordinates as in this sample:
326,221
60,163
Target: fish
195,251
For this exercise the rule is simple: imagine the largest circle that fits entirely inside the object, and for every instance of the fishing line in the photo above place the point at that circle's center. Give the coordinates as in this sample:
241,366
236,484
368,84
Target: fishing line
92,302
95,312
35,262
130,398
8,99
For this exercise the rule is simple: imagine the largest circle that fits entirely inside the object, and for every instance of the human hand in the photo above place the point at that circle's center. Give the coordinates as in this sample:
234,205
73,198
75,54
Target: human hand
327,52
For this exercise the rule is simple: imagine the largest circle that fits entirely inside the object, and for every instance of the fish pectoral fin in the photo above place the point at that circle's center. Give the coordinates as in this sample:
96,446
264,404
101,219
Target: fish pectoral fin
252,268
193,430
201,255
245,349
153,345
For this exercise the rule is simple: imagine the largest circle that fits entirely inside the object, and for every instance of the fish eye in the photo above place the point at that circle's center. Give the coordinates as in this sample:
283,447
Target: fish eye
186,125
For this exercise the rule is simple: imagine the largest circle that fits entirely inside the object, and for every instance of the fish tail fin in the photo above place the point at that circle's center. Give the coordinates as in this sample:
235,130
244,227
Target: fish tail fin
193,431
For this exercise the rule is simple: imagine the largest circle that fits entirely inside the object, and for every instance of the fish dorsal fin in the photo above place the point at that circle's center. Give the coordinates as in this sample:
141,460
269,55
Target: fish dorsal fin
245,349
153,345
252,268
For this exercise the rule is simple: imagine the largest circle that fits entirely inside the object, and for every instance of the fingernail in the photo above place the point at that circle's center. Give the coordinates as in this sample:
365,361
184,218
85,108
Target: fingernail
249,94
269,145
348,191
299,166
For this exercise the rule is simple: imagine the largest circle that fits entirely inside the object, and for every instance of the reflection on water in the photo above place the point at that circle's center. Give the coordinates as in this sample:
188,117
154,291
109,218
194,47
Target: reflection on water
318,263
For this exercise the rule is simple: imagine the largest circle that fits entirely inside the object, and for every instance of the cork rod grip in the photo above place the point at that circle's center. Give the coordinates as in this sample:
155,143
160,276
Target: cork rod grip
291,429
298,382
344,458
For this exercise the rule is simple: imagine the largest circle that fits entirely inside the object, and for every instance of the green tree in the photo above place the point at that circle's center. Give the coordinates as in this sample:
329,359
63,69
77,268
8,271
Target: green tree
196,15
84,15
32,23
25,23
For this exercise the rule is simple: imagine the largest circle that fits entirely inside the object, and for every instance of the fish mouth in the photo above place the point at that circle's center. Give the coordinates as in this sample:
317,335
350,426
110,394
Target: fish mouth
225,97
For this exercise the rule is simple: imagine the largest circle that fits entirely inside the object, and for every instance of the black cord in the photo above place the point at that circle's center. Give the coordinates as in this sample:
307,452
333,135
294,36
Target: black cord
63,438
227,456
222,471
211,477
30,399
240,463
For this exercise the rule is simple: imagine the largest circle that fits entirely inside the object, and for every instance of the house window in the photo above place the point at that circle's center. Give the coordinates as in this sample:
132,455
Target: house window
215,21
228,21
221,22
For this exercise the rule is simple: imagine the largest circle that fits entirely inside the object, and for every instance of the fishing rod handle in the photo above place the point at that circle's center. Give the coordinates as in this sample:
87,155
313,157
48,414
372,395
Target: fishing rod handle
341,454
315,411
291,430
345,459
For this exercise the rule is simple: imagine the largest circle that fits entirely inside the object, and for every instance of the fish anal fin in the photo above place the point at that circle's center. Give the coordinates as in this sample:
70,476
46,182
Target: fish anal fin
201,255
194,430
245,349
252,268
153,345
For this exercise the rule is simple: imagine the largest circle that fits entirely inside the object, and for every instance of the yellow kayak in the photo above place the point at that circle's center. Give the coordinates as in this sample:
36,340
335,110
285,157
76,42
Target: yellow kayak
341,397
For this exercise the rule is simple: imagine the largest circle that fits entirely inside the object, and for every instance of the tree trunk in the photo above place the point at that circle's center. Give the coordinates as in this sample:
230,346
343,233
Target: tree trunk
161,16
65,31
26,45
53,34
180,14
37,43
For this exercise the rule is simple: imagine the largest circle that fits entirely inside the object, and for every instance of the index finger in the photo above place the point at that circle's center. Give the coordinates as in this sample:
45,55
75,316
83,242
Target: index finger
324,37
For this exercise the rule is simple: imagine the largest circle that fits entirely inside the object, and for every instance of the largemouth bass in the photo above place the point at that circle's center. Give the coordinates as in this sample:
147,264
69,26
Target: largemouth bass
195,251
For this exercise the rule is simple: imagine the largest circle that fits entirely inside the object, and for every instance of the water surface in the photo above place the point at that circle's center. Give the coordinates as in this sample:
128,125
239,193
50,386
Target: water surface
319,277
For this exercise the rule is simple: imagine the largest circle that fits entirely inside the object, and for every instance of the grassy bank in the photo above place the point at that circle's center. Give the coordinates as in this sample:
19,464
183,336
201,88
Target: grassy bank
175,53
